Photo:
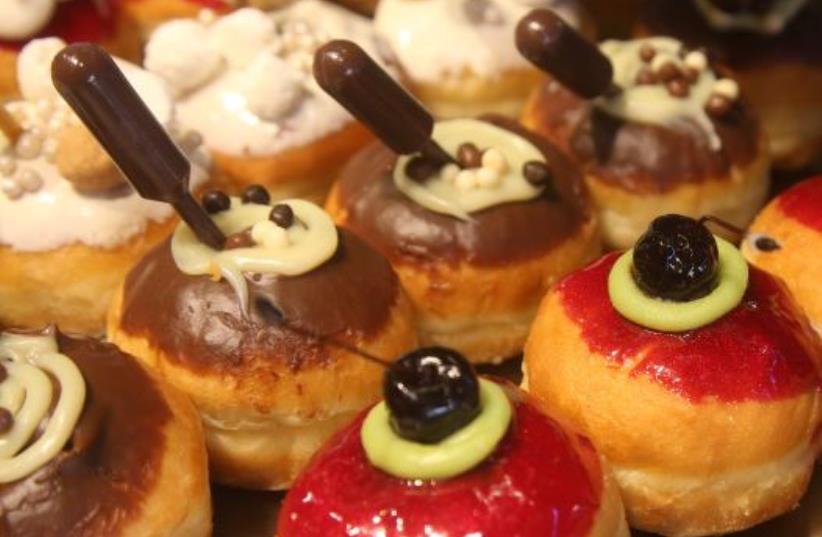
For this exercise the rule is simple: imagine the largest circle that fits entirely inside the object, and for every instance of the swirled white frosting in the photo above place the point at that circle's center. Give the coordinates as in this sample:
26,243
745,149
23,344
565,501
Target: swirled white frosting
771,22
653,103
310,241
50,213
31,362
244,80
24,18
461,192
433,39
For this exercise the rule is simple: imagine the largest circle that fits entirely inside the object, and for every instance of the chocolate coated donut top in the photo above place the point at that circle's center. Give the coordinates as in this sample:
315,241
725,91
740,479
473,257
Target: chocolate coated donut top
198,322
403,230
98,483
639,157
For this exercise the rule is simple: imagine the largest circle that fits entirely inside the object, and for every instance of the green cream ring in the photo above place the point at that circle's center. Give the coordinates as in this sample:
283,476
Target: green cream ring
450,457
669,316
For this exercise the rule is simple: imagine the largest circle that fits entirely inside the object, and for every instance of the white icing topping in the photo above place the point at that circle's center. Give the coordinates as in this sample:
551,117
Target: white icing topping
654,103
27,393
20,19
261,97
310,241
437,38
460,192
771,22
41,210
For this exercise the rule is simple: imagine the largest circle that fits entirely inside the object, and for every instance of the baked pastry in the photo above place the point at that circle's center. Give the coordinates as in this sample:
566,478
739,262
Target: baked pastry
448,453
70,226
477,216
702,381
244,82
772,47
458,58
657,128
95,446
783,240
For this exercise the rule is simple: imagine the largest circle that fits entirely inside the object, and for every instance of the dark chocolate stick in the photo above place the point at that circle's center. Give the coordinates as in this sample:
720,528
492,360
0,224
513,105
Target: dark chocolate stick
545,40
362,87
93,85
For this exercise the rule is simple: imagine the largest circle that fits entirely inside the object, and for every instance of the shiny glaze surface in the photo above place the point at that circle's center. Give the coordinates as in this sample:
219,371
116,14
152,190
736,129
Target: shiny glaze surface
640,157
541,481
101,478
762,350
803,203
198,321
401,229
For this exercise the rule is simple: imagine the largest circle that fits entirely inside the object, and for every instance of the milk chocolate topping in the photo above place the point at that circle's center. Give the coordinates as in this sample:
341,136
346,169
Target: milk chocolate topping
402,229
100,480
642,157
198,321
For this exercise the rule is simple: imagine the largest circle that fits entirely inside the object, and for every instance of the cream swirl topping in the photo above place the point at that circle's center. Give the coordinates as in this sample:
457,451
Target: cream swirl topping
32,363
770,21
24,18
499,178
310,240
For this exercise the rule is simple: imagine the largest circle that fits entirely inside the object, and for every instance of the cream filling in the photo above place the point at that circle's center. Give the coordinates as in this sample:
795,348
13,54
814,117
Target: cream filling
23,18
27,393
772,22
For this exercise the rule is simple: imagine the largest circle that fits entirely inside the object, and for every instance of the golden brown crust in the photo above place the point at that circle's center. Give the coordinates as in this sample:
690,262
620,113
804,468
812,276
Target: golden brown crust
8,74
667,451
71,285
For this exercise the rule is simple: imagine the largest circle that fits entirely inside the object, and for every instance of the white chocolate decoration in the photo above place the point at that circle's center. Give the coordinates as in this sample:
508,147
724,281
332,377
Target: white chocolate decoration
458,192
436,39
245,79
39,208
771,22
31,363
654,102
20,19
310,241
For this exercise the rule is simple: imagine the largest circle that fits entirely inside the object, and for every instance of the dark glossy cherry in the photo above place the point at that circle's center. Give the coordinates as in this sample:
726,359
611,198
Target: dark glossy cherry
676,259
431,392
215,201
256,194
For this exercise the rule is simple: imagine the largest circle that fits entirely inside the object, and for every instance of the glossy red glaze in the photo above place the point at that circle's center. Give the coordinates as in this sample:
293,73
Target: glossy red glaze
761,350
803,203
541,481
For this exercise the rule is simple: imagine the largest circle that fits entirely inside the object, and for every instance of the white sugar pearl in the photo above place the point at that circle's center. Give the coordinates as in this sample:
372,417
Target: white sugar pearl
449,172
488,178
696,60
11,189
206,16
29,180
7,165
727,88
466,180
28,146
495,160
50,149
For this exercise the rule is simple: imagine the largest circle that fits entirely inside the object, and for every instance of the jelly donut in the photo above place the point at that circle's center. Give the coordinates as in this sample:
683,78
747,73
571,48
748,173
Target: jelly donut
783,240
244,331
70,226
657,128
772,47
244,82
702,380
448,453
93,445
458,57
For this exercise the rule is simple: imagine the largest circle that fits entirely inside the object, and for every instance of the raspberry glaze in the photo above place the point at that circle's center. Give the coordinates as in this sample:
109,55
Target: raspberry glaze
540,481
762,350
803,203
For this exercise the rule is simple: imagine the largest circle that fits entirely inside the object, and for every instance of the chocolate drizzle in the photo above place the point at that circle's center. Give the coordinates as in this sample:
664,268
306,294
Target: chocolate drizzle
198,322
99,481
402,229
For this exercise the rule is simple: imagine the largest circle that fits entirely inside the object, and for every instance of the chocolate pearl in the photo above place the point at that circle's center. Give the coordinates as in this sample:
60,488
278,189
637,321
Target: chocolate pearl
646,77
647,52
215,201
767,244
420,168
678,88
256,194
282,215
718,106
240,240
469,155
537,173
6,420
668,72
